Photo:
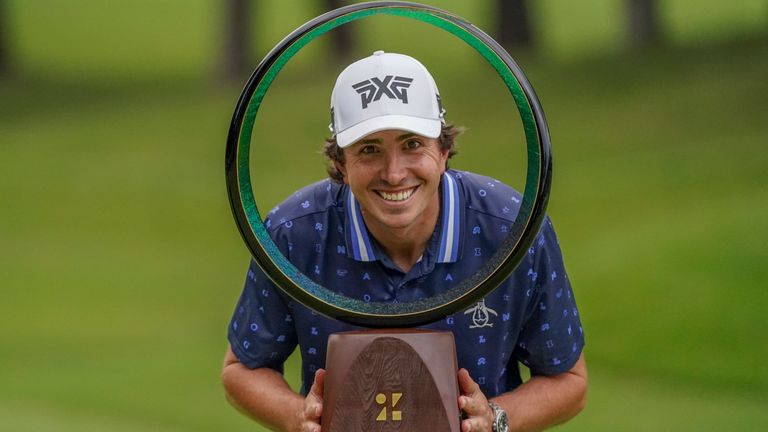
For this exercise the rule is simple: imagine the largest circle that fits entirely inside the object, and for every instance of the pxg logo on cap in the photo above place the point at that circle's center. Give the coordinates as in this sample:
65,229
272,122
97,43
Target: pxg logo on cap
384,91
373,89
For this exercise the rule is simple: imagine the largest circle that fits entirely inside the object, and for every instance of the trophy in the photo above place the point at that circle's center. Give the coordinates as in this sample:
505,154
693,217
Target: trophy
391,380
392,377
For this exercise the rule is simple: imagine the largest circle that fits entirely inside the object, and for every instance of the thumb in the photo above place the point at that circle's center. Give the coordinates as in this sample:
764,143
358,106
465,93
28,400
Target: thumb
318,386
320,382
467,384
313,407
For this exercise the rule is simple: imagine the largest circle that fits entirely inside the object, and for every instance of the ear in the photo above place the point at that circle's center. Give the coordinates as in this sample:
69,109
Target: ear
444,157
340,168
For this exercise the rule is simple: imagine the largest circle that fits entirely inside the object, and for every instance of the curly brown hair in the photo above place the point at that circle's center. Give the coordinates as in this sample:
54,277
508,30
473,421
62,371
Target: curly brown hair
334,153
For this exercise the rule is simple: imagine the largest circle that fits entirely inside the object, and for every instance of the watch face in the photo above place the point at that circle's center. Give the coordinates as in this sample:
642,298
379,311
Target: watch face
500,422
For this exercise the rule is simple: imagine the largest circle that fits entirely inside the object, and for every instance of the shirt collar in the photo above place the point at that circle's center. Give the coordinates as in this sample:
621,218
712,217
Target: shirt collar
357,234
361,247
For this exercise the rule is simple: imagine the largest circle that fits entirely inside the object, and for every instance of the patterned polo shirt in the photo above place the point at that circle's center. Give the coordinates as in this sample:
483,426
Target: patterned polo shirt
531,318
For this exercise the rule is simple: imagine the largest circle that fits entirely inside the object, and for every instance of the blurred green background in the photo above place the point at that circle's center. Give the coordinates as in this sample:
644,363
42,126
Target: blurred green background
120,262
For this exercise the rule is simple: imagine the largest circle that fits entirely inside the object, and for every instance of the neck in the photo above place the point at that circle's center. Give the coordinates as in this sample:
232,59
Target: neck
405,245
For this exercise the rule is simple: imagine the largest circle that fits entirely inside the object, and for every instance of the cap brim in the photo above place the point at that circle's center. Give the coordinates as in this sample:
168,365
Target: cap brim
429,128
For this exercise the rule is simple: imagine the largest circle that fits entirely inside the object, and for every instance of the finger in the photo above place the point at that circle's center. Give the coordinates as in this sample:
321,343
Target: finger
472,407
467,390
466,426
313,411
473,403
468,386
310,427
475,425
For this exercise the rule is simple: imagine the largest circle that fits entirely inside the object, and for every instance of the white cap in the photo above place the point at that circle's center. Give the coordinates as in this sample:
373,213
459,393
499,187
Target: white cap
385,91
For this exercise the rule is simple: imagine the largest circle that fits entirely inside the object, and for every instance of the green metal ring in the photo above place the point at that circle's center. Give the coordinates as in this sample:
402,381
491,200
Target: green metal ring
382,314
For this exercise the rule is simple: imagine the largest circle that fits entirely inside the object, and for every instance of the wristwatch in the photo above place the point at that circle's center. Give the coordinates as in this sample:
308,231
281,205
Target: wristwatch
500,421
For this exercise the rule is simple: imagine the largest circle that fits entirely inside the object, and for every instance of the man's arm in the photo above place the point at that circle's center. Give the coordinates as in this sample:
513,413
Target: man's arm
263,395
539,403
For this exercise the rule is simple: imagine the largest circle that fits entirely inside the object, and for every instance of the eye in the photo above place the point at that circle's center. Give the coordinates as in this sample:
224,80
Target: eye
368,149
412,144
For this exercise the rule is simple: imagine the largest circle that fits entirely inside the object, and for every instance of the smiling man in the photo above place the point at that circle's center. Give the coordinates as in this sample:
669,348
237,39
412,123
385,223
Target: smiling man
395,178
394,223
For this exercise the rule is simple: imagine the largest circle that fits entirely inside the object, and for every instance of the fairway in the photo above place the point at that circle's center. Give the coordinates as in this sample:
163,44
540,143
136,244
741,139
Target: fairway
121,262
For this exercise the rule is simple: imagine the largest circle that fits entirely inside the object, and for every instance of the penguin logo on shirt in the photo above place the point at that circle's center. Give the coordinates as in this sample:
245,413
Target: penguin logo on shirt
481,315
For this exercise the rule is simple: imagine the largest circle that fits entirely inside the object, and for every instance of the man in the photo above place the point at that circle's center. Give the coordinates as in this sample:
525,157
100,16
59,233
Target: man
395,224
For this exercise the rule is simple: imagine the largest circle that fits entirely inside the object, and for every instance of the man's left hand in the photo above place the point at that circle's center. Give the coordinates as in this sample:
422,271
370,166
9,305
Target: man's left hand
478,415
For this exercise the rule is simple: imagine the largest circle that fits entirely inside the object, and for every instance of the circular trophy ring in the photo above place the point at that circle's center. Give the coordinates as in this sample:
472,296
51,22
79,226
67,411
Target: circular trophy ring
384,314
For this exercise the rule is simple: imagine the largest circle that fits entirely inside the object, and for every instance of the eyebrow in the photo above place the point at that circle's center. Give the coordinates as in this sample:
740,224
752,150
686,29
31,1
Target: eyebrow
378,140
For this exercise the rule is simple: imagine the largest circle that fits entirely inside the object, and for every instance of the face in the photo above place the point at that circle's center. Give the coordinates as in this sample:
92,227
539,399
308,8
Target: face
395,176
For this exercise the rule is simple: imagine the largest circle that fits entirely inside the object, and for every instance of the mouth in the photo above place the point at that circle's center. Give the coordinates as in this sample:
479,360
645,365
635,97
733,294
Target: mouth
397,196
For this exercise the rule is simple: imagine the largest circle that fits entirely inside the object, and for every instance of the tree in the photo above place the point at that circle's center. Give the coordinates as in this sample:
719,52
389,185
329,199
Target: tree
514,28
237,40
643,27
4,42
341,37
236,62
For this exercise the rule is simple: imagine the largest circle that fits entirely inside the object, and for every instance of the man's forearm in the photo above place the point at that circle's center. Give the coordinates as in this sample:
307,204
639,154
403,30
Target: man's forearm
261,394
544,401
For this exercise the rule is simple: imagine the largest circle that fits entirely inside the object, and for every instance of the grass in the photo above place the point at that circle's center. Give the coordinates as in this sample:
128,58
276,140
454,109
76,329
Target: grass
121,263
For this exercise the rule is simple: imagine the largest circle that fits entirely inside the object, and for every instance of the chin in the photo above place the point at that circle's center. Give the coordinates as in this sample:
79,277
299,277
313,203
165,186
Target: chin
397,222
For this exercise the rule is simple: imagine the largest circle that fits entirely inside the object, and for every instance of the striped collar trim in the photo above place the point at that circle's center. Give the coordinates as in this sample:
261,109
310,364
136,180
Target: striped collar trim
450,228
450,225
362,248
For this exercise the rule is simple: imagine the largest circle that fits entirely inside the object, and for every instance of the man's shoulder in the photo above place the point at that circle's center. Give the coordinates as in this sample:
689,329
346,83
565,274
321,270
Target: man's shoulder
315,199
488,195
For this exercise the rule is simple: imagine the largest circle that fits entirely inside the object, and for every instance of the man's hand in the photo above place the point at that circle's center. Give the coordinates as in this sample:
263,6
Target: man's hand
478,414
309,417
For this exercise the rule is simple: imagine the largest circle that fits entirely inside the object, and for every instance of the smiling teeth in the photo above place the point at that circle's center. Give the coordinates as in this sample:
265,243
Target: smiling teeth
397,196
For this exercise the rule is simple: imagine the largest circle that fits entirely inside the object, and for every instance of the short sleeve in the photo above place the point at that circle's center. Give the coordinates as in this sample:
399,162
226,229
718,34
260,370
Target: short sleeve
552,337
261,331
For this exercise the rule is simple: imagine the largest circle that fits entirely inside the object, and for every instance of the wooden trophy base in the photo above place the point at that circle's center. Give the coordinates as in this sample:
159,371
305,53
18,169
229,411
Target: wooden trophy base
391,380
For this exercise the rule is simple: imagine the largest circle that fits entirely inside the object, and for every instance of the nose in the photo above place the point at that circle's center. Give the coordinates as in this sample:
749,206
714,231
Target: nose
395,168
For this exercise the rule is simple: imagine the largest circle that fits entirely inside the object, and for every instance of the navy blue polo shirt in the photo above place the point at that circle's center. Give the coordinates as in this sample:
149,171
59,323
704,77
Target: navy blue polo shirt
531,318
